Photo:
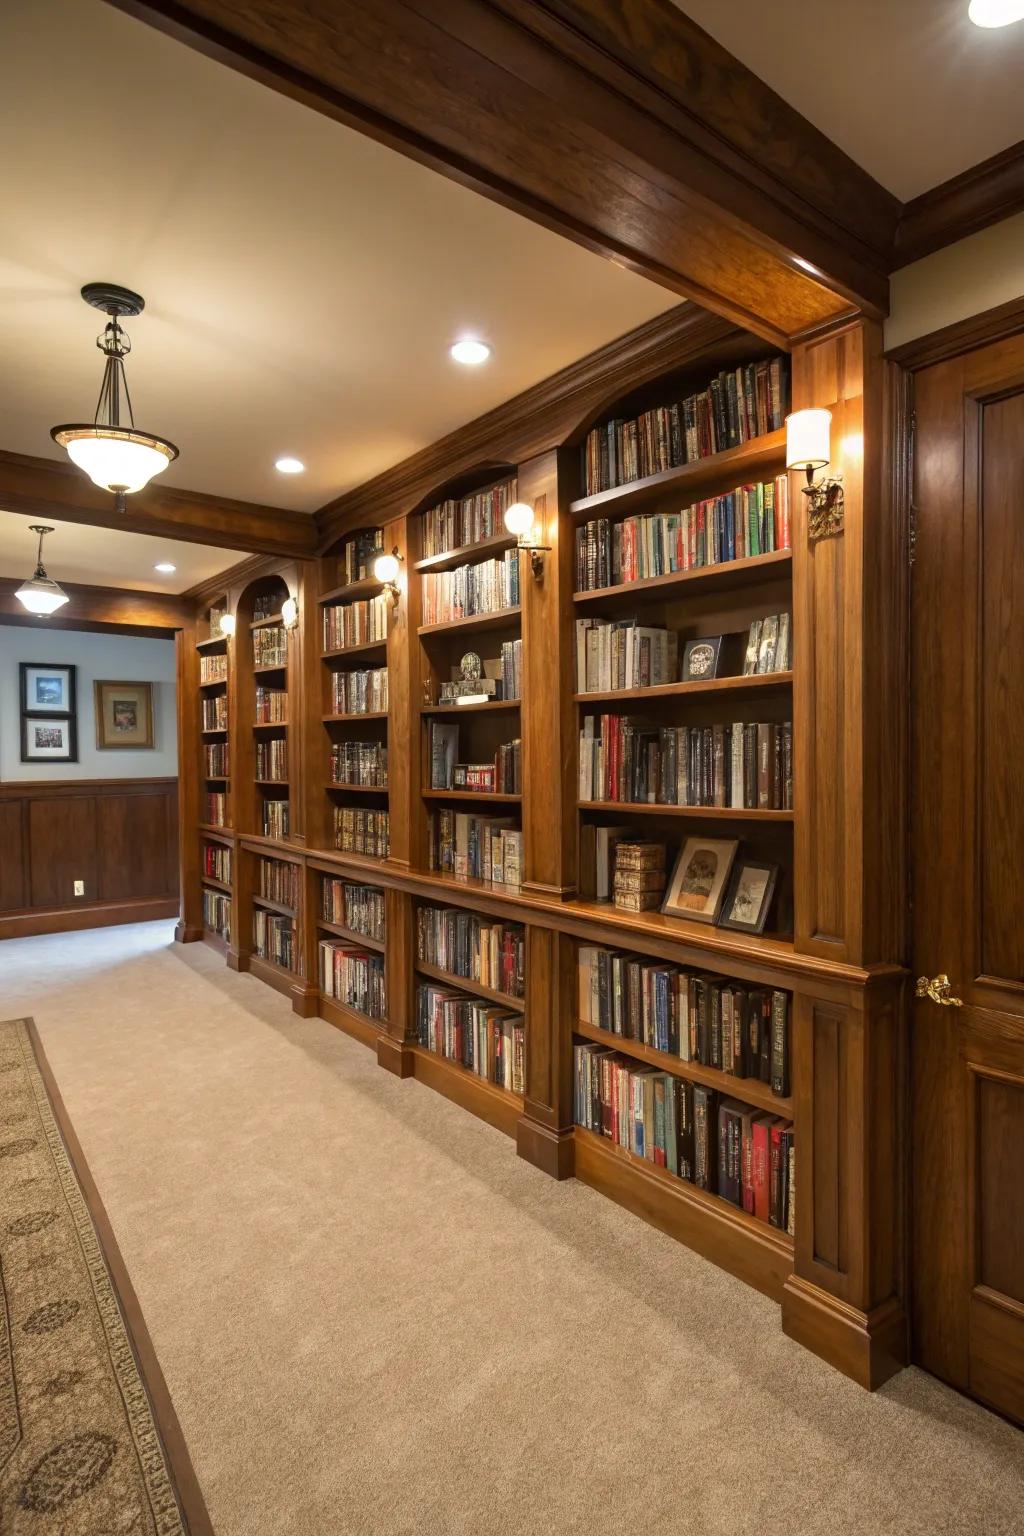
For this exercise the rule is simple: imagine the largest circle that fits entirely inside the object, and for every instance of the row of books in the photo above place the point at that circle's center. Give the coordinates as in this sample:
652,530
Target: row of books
454,523
215,808
215,712
739,404
750,520
360,907
217,912
359,831
745,1156
272,759
512,669
487,587
363,692
476,948
357,555
271,706
266,605
213,669
354,977
217,862
280,881
620,653
485,1039
276,818
769,645
748,764
475,847
360,762
357,623
215,756
502,777
270,646
273,937
699,1017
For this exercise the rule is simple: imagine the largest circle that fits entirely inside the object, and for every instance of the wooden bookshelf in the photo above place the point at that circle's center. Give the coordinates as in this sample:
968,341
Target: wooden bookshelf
831,942
215,695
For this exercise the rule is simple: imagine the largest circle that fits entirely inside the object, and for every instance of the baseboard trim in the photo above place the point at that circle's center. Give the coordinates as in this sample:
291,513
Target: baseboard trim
395,1056
553,1152
23,925
869,1347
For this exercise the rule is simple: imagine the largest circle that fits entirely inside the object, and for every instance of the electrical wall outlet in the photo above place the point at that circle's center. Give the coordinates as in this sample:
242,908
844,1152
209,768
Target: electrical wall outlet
79,887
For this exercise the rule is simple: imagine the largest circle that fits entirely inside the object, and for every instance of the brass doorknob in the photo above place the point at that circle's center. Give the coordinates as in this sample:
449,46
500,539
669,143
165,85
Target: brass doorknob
938,990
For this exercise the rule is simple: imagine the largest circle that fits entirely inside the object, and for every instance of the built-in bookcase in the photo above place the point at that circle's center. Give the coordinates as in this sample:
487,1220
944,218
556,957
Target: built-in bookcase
215,685
268,700
354,613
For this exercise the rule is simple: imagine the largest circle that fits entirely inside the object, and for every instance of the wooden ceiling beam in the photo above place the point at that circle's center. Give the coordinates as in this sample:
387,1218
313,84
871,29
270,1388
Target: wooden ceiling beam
47,488
624,127
100,608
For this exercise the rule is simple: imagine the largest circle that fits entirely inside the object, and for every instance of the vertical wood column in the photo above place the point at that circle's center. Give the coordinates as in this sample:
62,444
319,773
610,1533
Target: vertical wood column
544,1134
189,926
393,1044
845,1299
547,712
307,739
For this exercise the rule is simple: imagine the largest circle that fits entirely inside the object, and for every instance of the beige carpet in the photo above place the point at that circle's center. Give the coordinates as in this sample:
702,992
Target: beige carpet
373,1318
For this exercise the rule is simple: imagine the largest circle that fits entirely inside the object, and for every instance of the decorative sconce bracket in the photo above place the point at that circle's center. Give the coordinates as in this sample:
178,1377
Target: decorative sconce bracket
826,507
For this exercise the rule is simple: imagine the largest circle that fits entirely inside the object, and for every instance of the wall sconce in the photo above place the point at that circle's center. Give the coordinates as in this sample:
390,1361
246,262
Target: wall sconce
386,570
289,613
808,447
519,519
227,623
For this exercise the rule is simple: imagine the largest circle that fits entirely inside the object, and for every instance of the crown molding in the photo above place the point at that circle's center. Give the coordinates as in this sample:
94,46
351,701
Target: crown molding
997,324
982,195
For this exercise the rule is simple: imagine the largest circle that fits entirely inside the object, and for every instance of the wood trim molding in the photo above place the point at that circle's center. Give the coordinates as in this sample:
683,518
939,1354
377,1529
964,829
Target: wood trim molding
537,420
237,575
625,128
997,324
48,488
156,614
978,197
35,789
101,914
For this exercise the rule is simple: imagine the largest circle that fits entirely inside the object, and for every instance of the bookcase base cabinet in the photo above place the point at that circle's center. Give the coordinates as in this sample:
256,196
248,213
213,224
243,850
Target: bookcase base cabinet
482,1098
187,933
553,1152
869,1347
351,1022
395,1056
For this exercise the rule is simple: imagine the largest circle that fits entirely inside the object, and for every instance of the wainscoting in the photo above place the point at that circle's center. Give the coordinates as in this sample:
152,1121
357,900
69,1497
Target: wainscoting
118,836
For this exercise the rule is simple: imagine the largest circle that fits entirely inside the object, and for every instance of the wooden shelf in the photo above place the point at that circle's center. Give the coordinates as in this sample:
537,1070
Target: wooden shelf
210,642
752,1091
354,650
270,725
369,714
465,554
688,812
470,709
274,906
279,666
483,1098
351,935
503,617
216,778
760,1254
759,683
227,833
214,730
690,482
215,682
218,885
471,794
361,789
369,586
477,988
270,620
727,573
368,861
273,783
721,946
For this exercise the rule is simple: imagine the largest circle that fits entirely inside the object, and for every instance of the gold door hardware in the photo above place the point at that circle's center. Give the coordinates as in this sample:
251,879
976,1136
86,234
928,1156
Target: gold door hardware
938,990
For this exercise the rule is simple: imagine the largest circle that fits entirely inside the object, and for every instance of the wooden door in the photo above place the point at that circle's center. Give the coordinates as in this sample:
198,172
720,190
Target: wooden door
967,850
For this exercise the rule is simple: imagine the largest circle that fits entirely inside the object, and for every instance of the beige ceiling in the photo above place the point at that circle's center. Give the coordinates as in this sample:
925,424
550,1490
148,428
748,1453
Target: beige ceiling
910,89
302,283
106,557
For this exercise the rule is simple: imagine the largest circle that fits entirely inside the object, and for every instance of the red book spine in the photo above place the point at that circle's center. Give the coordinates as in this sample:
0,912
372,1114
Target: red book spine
760,1168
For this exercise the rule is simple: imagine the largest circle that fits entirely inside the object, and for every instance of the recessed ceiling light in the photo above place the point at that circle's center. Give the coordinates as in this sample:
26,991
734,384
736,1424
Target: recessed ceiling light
165,568
995,13
470,351
289,466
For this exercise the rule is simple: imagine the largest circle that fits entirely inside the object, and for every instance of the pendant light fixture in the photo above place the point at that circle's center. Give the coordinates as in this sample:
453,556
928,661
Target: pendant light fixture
40,594
115,455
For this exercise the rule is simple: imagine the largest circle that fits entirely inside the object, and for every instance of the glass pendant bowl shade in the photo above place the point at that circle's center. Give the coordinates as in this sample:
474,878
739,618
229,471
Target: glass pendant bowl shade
115,458
40,595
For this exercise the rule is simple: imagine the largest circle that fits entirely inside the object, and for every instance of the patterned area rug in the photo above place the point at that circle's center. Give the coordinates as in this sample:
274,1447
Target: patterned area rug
89,1445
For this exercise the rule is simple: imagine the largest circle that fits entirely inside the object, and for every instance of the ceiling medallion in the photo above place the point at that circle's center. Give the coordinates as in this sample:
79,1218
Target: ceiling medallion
115,455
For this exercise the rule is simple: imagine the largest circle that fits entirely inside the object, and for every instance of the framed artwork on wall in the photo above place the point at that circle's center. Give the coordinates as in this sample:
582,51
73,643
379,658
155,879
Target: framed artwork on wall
47,688
49,739
124,715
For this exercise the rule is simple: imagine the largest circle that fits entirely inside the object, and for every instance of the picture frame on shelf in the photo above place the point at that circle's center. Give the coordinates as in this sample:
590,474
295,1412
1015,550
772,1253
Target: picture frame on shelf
749,897
711,656
48,688
699,878
124,715
49,739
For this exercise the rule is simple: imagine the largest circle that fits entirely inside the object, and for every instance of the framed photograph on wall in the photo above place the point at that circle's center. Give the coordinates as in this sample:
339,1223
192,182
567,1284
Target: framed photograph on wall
124,715
699,878
49,739
47,688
